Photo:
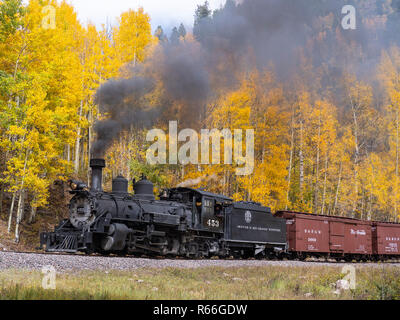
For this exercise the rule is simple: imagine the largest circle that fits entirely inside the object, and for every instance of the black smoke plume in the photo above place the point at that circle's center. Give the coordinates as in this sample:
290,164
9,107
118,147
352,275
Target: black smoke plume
242,36
123,103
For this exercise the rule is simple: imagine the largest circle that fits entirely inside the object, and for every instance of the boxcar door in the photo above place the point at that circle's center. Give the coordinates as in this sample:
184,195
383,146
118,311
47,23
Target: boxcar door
336,236
358,238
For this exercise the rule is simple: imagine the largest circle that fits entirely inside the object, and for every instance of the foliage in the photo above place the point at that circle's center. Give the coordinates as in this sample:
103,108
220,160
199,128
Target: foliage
209,283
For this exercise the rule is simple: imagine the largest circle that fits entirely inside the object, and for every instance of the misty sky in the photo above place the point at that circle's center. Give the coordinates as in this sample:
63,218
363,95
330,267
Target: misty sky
168,13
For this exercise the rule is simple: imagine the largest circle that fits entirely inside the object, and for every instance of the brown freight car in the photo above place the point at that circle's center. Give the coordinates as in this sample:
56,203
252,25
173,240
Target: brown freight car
306,233
385,239
319,235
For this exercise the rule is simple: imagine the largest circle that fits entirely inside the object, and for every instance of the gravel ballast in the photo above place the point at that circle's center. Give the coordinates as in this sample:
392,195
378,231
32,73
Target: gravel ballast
61,262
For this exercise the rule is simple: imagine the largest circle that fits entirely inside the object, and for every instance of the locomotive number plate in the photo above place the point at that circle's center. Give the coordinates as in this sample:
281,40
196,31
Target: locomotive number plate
213,223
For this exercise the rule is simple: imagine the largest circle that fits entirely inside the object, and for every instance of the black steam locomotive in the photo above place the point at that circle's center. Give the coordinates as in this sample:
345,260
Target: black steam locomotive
183,222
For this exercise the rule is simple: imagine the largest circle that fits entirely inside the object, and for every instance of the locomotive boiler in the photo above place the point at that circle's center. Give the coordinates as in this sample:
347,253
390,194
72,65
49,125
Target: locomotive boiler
181,222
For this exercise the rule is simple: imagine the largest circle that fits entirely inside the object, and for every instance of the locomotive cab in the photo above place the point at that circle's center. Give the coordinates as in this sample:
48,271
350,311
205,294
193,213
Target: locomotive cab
208,208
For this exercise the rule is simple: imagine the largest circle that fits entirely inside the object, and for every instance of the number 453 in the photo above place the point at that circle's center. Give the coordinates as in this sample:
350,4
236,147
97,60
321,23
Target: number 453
213,223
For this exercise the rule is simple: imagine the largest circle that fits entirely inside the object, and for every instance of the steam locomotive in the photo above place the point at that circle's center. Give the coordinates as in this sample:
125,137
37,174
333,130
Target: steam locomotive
183,222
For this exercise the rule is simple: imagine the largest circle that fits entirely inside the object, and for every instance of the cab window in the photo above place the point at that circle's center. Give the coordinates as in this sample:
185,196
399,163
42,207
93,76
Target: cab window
208,206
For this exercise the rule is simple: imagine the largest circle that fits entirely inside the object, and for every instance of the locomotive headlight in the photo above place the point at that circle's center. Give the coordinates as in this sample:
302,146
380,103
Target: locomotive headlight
80,212
76,185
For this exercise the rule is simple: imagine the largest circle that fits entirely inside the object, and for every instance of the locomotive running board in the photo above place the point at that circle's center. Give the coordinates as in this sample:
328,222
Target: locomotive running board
256,242
61,250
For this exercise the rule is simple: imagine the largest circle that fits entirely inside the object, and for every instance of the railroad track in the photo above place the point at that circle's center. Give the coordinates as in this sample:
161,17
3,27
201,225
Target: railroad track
64,262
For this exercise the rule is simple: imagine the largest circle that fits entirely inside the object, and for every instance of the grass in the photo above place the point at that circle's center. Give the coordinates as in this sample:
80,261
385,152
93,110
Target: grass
204,283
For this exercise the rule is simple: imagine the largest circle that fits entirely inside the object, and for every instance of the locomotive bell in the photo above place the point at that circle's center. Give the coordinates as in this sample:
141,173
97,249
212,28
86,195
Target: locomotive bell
120,185
144,188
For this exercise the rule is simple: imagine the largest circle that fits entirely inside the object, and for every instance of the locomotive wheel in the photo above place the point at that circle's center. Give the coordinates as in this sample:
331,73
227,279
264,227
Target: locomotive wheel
103,252
261,256
301,256
89,251
236,255
121,253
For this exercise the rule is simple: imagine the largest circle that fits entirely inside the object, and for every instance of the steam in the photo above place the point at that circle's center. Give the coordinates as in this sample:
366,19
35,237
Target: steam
193,182
243,36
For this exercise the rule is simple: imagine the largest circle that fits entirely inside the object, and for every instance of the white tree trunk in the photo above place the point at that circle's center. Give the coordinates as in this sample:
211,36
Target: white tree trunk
324,192
78,140
337,189
20,209
20,213
316,186
356,156
11,212
301,158
33,214
290,163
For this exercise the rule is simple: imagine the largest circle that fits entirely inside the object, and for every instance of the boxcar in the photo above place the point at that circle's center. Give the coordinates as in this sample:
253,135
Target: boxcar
357,236
311,234
385,238
306,232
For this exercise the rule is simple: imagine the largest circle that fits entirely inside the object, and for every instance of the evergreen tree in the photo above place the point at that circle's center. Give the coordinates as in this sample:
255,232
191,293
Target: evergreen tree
159,33
396,5
202,18
174,38
182,31
393,23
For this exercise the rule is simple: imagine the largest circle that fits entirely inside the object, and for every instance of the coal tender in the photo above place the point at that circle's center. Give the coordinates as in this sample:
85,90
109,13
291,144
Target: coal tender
183,222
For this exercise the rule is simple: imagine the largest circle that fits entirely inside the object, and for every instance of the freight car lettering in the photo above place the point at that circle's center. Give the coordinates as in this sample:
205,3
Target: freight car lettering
312,231
361,248
258,228
392,239
312,239
392,247
358,232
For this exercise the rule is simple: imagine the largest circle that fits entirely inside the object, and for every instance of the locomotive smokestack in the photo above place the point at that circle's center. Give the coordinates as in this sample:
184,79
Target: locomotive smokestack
97,166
